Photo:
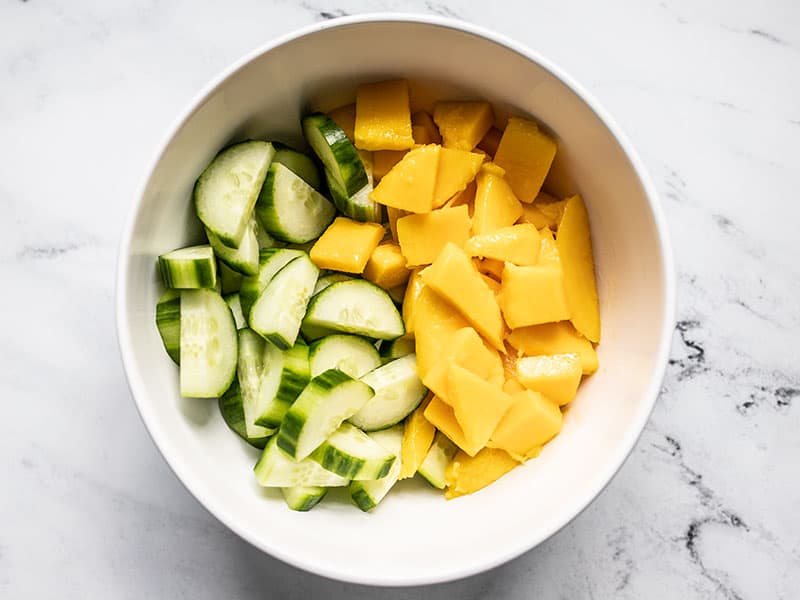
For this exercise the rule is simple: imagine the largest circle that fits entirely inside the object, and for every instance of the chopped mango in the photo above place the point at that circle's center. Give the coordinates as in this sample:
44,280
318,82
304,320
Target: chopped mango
345,117
491,141
493,284
466,475
552,210
435,322
477,404
496,205
530,422
346,245
392,215
466,197
417,439
410,184
466,349
397,293
491,267
455,278
386,268
413,290
513,386
384,160
556,376
463,124
533,295
423,120
555,338
383,116
422,237
526,155
421,135
574,244
441,415
544,212
518,244
457,168
548,250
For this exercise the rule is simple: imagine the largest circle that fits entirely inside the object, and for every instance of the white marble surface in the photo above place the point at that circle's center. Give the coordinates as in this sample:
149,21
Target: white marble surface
706,507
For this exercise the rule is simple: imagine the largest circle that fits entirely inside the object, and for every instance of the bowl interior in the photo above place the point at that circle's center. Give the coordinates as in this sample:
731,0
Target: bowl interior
415,536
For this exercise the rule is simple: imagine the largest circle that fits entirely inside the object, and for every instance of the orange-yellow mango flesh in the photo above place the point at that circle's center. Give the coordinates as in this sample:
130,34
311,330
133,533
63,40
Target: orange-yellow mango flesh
466,474
417,439
346,245
441,415
489,266
548,251
493,284
386,268
457,168
555,338
410,184
384,161
345,117
392,215
555,376
463,124
423,120
518,244
413,290
383,116
491,141
496,206
530,422
435,321
574,244
423,236
466,197
526,155
532,295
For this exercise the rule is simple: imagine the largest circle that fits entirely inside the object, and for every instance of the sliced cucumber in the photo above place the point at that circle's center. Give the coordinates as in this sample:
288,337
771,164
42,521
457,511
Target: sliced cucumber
189,268
275,468
280,308
336,151
434,466
271,260
290,209
230,281
368,494
250,369
209,347
398,391
351,453
292,376
231,405
356,306
329,279
244,258
168,321
235,304
300,164
303,497
391,350
358,206
226,191
350,354
328,400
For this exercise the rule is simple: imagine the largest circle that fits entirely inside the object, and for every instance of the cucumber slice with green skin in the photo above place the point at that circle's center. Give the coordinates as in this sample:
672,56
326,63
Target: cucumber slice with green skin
303,497
250,369
368,494
209,345
327,401
351,453
351,354
230,281
280,308
235,304
394,349
336,151
356,306
329,279
293,375
232,410
398,391
434,466
290,209
244,258
189,268
275,468
301,164
226,192
271,260
357,206
168,322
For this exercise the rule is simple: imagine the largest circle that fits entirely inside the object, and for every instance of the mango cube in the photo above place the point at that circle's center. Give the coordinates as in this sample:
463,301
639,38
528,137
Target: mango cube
423,236
410,184
496,206
533,295
466,349
548,250
383,116
529,423
384,161
422,120
345,117
467,474
491,141
441,415
463,124
417,439
392,215
518,244
413,290
346,245
466,197
457,168
434,322
386,267
555,376
491,267
555,338
526,155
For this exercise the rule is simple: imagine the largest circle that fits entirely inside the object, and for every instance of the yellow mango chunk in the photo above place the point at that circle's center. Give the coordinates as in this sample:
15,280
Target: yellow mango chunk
423,120
384,160
383,116
466,349
421,135
410,184
457,168
556,376
441,415
397,293
423,236
518,244
496,206
512,386
491,141
466,197
463,124
345,117
555,338
493,284
553,211
346,245
453,276
533,295
491,267
477,404
526,155
466,475
392,215
548,251
529,423
574,244
417,439
435,323
386,267
413,290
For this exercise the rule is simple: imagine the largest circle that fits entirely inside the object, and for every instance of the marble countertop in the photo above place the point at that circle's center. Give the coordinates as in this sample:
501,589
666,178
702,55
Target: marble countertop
706,506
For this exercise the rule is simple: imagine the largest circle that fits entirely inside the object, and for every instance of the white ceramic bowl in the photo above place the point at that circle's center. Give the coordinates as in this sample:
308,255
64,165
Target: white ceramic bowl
414,536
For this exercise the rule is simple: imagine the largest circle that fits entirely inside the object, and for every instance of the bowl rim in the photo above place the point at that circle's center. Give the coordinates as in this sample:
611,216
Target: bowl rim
625,445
